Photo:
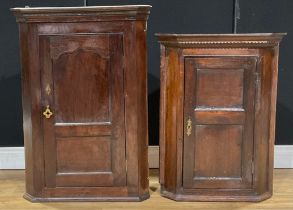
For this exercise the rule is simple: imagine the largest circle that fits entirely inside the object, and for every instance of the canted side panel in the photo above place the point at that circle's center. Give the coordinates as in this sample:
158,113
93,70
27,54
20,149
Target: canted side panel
170,134
217,148
163,89
141,62
135,107
264,112
30,77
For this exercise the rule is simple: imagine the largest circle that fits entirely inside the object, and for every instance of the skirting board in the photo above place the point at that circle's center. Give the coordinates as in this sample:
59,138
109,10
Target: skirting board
13,157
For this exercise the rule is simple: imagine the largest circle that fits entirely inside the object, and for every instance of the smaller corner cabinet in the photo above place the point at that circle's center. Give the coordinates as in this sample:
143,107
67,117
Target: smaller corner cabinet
84,93
217,116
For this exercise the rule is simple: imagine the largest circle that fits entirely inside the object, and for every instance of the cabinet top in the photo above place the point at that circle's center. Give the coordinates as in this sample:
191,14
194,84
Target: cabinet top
249,40
81,14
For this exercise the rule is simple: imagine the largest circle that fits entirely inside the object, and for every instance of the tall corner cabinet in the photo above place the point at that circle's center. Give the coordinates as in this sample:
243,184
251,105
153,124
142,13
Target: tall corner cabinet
84,94
217,116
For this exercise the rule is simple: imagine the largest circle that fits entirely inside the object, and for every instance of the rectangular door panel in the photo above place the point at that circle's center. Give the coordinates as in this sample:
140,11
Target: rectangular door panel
84,139
217,155
89,70
219,120
225,90
94,154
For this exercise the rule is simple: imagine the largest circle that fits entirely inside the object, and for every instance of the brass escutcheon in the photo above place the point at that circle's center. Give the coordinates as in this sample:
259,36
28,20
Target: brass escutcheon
47,113
189,127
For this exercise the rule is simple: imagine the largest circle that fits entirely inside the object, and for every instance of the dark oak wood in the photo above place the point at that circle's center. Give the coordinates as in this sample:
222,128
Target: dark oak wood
86,65
217,116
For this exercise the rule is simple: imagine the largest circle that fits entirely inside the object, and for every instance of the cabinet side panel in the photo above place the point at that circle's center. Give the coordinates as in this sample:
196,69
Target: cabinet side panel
273,117
141,67
170,174
37,150
26,106
131,116
262,121
163,77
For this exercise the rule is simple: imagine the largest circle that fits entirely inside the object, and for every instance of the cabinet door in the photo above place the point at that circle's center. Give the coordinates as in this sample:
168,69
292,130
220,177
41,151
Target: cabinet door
82,85
219,120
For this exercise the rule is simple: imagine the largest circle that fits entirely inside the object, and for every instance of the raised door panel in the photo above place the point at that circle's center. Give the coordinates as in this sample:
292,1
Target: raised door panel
219,120
82,85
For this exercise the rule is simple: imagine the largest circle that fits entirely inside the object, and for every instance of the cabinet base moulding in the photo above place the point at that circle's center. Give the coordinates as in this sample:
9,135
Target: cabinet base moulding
86,199
201,197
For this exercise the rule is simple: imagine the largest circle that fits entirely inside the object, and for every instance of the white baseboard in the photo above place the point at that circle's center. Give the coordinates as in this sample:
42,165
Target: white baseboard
13,157
154,156
283,156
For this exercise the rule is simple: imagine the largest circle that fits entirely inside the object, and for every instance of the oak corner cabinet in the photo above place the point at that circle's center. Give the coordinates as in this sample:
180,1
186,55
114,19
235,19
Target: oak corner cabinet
217,116
84,102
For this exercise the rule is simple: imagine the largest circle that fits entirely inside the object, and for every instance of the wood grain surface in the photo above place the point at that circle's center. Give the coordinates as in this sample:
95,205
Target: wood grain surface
92,78
217,115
